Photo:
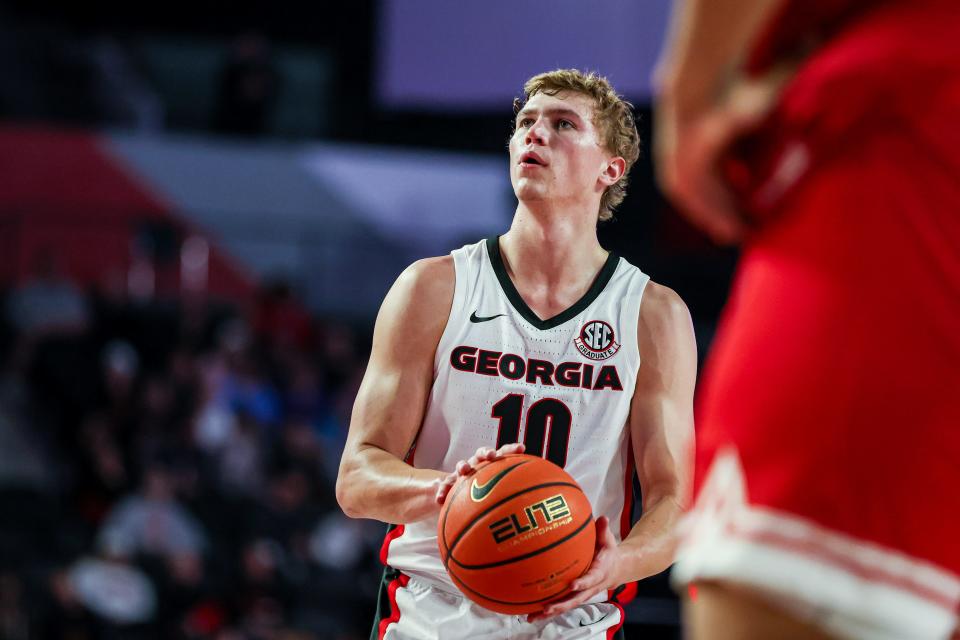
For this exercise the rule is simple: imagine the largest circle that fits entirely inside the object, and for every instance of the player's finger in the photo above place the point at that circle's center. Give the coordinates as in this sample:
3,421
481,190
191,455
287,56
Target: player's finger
593,578
588,580
604,534
516,447
442,490
483,453
562,606
478,457
609,539
533,617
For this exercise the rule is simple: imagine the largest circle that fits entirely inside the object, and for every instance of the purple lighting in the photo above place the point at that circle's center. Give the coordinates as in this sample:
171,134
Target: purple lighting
445,54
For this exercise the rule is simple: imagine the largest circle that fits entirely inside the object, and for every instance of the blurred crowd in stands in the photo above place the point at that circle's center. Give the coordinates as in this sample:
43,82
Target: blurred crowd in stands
167,468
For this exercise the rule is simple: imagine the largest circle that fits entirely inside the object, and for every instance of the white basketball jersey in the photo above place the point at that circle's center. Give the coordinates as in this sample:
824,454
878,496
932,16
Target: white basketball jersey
562,386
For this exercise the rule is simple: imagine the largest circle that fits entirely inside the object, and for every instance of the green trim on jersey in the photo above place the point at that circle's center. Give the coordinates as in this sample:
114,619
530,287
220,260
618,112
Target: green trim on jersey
496,260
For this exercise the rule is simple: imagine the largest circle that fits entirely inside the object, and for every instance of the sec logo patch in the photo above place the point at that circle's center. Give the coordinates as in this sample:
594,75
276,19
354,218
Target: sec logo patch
597,340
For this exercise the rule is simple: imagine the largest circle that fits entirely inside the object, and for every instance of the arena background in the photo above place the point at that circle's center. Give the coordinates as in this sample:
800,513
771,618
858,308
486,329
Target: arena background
201,207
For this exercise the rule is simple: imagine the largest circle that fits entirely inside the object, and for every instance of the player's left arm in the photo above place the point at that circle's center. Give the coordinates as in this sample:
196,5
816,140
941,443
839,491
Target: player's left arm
661,432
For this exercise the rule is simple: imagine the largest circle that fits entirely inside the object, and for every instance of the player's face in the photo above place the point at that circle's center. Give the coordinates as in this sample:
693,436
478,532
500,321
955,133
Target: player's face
556,152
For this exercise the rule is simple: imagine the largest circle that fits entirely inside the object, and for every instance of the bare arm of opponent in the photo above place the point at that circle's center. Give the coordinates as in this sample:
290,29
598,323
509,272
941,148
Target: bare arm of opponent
374,481
661,433
704,103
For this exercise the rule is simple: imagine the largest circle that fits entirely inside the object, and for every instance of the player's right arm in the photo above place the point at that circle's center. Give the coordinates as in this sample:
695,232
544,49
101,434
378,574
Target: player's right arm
374,481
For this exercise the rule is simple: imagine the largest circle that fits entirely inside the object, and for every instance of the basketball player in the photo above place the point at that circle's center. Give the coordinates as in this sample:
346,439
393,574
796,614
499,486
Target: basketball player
537,337
825,134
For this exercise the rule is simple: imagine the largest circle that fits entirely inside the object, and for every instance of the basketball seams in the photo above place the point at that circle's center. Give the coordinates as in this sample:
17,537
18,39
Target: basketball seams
465,587
555,543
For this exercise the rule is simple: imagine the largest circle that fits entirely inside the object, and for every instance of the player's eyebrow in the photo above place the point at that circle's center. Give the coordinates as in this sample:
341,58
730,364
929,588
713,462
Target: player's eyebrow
554,111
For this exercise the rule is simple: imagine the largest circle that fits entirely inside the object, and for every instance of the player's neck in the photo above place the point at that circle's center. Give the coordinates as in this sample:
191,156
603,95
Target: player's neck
552,249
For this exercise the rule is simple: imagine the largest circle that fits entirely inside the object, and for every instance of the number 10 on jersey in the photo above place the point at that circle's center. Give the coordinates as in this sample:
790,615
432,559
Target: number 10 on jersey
547,426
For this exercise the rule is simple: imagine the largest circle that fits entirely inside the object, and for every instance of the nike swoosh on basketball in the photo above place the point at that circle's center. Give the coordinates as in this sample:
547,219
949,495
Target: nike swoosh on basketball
475,318
480,491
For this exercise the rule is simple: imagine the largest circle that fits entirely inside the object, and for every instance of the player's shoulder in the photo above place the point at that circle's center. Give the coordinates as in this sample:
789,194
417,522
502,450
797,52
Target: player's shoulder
429,276
427,284
665,335
662,310
416,308
429,268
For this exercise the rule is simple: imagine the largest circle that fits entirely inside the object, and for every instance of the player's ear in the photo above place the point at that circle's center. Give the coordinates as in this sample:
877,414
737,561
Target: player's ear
613,171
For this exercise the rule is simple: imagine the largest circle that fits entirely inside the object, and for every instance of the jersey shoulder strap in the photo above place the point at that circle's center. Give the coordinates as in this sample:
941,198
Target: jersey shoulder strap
468,266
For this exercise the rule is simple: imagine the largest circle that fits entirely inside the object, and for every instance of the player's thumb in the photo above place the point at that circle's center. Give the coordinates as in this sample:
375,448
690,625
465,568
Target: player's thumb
604,533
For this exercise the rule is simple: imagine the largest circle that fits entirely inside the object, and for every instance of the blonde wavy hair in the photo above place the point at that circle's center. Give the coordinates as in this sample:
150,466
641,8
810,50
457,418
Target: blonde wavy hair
612,116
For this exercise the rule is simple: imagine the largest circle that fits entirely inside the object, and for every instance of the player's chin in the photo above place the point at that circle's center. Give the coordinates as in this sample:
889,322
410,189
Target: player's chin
527,188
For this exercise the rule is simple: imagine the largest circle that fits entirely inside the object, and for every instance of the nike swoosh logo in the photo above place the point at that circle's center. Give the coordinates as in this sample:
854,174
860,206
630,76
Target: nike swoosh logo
587,624
480,491
475,318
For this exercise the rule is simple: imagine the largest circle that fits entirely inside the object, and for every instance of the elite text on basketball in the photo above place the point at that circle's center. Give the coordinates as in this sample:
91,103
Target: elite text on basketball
554,512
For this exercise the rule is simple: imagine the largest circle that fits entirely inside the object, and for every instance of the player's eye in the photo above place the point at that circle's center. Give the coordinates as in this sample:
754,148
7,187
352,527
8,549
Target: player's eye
565,124
524,122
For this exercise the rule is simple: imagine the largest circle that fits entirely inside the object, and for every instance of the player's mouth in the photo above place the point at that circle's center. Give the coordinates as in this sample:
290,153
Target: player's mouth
531,159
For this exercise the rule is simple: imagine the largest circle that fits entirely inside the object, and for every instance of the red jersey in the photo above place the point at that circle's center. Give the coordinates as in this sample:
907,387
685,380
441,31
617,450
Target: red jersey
828,428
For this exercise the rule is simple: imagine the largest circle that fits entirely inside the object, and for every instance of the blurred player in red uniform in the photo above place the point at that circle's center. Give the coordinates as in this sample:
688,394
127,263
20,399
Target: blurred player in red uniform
825,134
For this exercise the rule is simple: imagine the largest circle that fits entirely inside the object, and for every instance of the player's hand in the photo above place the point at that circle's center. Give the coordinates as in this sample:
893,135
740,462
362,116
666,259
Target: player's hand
690,140
601,576
466,467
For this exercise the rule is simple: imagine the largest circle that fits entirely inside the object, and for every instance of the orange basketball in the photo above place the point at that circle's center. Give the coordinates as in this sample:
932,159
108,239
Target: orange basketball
514,534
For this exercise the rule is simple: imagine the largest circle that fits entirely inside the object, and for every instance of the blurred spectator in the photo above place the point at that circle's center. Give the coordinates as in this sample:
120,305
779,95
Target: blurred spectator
152,522
304,399
120,366
163,415
13,622
289,510
279,319
25,456
240,460
263,597
48,302
197,478
118,593
103,469
338,542
340,354
215,422
246,390
249,84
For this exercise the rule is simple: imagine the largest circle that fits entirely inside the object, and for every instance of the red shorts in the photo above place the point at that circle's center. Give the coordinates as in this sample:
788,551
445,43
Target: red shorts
828,424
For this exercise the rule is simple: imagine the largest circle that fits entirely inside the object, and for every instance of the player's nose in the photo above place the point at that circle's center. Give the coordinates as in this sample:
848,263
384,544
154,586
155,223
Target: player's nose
537,132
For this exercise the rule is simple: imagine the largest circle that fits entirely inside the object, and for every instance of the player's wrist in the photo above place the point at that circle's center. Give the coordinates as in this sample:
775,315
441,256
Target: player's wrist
620,573
630,563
